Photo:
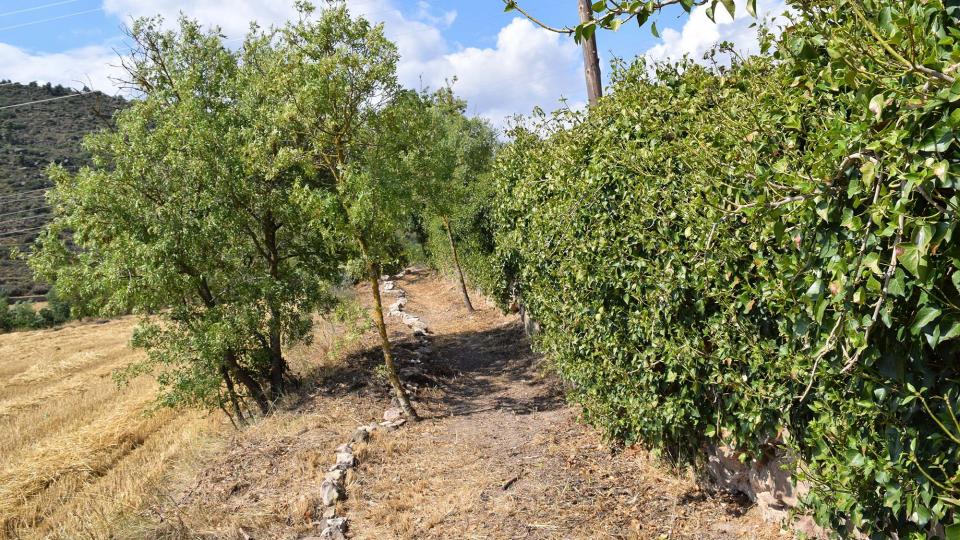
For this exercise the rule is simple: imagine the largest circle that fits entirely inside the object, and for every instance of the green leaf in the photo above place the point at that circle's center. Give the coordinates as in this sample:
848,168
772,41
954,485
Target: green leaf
599,6
868,171
752,8
876,106
731,7
949,330
872,261
953,531
925,316
653,29
815,289
912,259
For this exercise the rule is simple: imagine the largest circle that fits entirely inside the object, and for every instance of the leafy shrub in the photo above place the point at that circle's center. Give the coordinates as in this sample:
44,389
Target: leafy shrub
764,255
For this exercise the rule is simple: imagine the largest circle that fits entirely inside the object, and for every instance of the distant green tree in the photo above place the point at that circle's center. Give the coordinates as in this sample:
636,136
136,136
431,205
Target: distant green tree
448,166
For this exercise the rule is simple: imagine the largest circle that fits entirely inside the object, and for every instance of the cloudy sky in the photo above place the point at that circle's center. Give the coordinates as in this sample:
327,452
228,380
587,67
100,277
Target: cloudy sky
504,65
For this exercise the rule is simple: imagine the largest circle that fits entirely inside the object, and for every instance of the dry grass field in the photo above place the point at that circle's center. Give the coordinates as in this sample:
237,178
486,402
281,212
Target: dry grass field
79,456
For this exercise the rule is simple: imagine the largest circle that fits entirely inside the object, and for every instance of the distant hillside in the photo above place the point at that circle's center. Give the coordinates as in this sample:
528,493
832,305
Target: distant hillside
31,137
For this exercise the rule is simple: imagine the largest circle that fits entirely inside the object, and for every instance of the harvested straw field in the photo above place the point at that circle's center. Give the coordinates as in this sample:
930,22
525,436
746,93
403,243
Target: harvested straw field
79,456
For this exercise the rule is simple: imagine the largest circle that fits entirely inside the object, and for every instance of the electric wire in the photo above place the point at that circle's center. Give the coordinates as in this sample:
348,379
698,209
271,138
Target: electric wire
37,8
45,100
67,16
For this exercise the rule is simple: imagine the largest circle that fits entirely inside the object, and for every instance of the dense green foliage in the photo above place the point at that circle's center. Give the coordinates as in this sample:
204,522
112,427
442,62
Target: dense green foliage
450,171
764,255
229,200
32,137
24,316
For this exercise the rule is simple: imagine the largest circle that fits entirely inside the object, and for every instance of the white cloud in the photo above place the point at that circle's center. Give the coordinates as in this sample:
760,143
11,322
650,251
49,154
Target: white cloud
528,67
699,34
93,66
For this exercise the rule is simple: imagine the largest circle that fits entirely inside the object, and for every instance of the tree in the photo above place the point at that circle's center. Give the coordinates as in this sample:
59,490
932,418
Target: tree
446,167
190,213
341,112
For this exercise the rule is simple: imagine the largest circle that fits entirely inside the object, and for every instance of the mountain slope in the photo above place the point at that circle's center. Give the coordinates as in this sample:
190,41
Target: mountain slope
44,124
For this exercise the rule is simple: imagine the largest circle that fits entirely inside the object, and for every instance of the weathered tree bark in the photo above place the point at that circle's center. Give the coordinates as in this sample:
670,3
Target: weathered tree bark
456,264
251,384
278,365
591,61
394,379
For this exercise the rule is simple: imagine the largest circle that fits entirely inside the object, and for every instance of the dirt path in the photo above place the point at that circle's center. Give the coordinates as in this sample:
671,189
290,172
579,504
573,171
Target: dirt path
500,455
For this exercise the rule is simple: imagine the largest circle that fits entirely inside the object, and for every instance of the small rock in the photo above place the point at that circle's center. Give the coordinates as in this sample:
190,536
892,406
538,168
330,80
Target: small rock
390,426
361,435
392,414
345,447
388,285
345,460
329,493
335,530
335,476
329,512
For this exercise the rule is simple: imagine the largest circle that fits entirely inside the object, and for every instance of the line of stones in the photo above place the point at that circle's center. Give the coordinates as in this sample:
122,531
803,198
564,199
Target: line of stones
333,487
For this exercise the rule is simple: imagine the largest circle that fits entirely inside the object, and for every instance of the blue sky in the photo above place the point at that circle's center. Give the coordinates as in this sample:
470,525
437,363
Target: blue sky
503,63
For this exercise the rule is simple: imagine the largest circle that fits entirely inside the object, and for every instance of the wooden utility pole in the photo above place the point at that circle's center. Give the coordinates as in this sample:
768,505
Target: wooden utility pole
591,61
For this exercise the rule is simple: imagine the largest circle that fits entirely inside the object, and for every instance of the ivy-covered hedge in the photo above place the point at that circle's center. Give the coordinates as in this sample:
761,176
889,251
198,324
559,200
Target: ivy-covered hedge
764,255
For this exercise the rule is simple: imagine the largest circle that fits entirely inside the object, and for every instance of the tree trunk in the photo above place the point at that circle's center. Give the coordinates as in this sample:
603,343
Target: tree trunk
278,366
256,391
591,61
232,394
385,340
456,264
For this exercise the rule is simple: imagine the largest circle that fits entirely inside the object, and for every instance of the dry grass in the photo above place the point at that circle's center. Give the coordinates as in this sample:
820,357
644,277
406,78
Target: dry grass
82,458
79,456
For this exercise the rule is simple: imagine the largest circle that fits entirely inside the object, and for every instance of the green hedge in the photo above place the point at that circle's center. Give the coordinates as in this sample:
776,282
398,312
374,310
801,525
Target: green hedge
709,252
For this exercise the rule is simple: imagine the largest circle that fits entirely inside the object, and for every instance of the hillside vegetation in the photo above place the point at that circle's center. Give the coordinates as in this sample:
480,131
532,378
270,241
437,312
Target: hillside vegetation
31,138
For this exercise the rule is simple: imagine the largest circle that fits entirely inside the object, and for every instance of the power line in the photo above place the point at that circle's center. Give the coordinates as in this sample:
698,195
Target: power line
11,233
45,100
37,8
44,207
20,194
31,23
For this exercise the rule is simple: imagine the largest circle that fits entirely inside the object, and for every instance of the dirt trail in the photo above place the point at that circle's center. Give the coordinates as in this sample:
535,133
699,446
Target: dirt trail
500,455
